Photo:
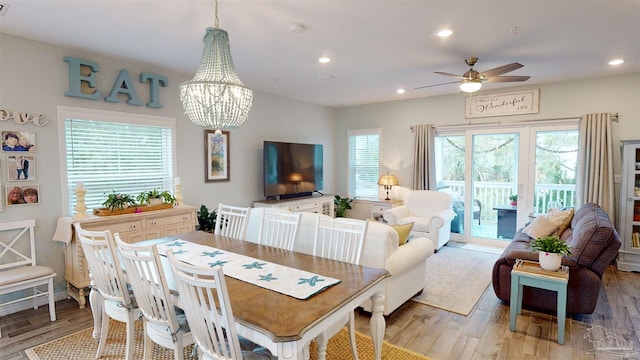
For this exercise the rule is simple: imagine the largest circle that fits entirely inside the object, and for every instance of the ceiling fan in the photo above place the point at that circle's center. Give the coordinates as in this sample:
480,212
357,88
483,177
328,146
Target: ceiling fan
472,80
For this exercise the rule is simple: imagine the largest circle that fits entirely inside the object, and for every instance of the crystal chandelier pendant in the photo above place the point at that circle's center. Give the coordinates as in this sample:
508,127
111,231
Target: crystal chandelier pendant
215,97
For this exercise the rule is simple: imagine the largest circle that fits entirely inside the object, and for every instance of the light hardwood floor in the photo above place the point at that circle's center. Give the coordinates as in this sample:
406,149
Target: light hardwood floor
439,334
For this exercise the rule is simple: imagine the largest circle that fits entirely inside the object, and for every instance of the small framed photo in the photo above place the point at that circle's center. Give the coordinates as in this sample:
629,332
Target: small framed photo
216,156
21,167
22,195
18,141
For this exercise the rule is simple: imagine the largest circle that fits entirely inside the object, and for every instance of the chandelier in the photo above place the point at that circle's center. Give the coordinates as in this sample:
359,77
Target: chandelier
215,97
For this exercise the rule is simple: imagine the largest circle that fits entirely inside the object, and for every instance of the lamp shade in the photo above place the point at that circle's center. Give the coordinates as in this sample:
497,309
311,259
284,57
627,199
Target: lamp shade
470,85
388,180
295,177
215,97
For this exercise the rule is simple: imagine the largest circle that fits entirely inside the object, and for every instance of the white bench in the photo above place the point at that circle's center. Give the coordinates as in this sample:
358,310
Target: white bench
18,269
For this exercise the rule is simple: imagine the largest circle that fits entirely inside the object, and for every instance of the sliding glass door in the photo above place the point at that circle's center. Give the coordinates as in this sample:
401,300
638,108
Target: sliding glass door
494,181
500,177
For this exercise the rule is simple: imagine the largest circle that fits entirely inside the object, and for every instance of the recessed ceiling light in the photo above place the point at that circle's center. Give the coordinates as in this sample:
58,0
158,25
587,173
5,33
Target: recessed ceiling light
297,28
400,91
324,60
444,33
616,62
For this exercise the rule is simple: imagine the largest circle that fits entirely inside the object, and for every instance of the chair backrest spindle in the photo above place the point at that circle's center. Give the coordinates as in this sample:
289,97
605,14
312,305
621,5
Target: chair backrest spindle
339,239
149,283
279,229
106,270
232,221
206,303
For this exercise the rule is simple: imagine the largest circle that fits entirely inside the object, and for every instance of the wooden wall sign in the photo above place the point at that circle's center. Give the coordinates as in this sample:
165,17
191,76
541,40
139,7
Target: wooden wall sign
22,118
503,104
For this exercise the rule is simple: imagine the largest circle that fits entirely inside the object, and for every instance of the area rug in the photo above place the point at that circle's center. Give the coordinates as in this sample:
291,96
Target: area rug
482,248
81,346
456,278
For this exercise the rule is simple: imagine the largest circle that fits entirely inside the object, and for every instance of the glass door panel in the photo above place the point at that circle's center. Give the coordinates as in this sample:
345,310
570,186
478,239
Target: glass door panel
494,179
555,173
450,172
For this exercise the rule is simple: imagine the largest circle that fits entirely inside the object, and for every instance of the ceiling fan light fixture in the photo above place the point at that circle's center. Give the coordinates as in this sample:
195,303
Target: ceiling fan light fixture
444,33
470,85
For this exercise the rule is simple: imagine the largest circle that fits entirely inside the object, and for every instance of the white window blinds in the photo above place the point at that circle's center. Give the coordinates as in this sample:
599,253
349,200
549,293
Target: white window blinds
117,156
364,163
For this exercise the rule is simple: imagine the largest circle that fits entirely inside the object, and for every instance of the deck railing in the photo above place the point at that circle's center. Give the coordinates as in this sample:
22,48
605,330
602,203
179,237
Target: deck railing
491,194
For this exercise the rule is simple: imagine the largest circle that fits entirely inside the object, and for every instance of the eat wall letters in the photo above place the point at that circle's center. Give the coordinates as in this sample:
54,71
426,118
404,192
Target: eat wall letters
83,84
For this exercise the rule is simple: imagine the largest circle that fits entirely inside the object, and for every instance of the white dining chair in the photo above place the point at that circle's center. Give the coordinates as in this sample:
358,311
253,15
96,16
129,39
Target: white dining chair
279,229
232,221
206,303
108,279
339,239
162,324
18,268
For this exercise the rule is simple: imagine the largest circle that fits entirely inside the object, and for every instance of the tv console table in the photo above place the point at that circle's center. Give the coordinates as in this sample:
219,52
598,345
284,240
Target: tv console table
321,204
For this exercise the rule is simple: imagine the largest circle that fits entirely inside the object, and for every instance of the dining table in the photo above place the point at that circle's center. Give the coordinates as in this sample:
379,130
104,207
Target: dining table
281,323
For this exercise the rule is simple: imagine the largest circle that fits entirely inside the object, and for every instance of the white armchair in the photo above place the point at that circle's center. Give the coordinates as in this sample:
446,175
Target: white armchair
430,212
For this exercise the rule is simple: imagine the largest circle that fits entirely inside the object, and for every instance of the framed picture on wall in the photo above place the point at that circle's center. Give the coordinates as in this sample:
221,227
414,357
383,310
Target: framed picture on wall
216,156
21,167
18,141
22,195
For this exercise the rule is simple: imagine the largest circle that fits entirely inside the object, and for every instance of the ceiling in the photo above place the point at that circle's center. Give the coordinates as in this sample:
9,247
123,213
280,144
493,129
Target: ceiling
376,46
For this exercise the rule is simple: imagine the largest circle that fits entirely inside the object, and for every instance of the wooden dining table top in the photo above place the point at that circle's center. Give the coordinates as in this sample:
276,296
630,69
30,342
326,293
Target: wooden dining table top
282,317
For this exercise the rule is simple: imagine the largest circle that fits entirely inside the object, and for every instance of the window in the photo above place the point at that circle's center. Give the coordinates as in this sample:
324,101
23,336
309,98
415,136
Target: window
110,151
364,163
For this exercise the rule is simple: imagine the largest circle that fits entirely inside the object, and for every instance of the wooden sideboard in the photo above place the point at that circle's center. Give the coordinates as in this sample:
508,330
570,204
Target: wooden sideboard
132,228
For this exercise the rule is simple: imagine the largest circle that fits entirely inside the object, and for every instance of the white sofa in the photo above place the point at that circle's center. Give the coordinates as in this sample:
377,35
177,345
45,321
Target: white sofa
406,263
430,212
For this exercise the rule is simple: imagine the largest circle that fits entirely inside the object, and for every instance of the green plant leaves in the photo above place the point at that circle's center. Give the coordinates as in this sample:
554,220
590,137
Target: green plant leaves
551,244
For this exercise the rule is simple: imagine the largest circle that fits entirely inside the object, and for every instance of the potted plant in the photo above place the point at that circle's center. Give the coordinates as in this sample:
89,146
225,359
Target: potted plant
117,201
341,205
155,197
206,219
550,250
514,199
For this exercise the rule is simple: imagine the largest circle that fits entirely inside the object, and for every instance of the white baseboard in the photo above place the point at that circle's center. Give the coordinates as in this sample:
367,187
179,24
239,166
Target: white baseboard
28,304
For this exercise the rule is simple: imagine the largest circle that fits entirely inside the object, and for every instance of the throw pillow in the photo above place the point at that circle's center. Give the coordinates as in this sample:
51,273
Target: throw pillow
558,216
403,232
540,226
566,223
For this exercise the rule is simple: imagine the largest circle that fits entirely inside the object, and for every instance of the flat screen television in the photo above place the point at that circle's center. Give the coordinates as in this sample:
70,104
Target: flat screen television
292,169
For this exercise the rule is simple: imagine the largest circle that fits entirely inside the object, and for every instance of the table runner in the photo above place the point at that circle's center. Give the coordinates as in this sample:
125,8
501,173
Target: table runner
283,279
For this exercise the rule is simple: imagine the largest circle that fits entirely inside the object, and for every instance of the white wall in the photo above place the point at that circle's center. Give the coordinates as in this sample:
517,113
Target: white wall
34,77
613,94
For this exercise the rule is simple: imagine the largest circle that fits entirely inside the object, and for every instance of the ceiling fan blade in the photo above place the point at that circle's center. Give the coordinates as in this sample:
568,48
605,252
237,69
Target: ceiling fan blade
501,70
428,86
448,74
508,78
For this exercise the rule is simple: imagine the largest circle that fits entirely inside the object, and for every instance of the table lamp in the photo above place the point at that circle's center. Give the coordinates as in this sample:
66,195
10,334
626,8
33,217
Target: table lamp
387,181
295,178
